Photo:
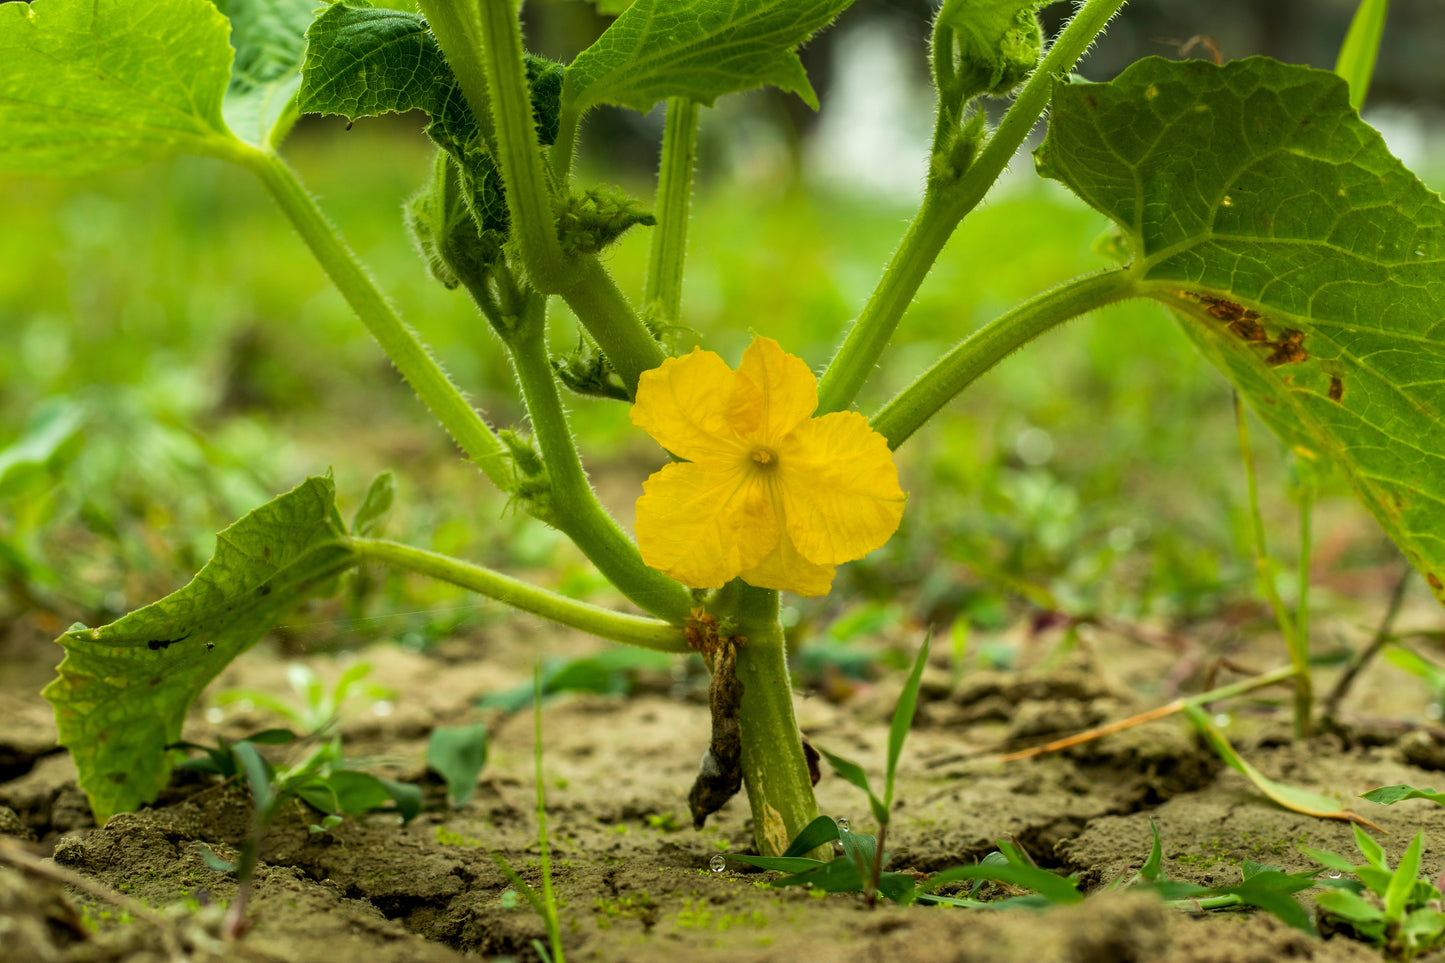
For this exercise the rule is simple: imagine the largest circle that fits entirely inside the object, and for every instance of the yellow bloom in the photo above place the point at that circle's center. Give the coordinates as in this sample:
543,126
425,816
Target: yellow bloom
768,492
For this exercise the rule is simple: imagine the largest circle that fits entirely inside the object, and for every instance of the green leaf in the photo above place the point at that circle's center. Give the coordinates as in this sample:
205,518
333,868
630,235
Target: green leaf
1417,665
406,796
357,792
105,84
1290,797
1056,889
1356,63
1153,869
458,754
1308,262
853,773
699,49
1273,892
1389,795
781,864
270,40
123,689
258,775
1329,860
1343,903
1372,851
903,717
1402,884
820,831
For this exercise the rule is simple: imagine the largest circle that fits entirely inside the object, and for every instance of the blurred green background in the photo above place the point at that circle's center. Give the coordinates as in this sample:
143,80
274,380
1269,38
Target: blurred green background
171,356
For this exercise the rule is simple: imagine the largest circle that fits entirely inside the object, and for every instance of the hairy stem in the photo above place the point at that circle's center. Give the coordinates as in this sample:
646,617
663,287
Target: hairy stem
574,508
775,773
457,25
674,196
603,310
631,629
519,154
399,342
990,344
945,205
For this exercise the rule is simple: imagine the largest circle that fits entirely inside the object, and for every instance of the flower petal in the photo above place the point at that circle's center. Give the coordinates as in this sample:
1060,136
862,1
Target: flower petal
787,570
838,488
704,526
684,405
786,389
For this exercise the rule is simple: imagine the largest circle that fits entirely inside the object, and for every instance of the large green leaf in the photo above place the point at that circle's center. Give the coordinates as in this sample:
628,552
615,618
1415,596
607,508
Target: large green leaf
699,49
123,689
1308,263
270,40
109,83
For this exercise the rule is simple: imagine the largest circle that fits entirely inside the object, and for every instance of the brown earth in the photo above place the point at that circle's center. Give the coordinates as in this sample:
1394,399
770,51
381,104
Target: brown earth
633,881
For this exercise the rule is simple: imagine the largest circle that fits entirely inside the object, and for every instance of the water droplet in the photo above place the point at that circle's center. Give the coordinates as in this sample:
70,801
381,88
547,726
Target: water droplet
1333,874
717,864
843,825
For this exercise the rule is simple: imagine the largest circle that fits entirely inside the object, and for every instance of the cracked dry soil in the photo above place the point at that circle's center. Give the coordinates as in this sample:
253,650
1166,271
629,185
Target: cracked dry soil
632,877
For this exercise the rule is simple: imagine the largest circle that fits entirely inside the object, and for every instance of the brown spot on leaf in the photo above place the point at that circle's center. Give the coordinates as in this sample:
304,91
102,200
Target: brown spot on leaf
1289,349
1337,389
1434,581
154,682
1090,102
117,777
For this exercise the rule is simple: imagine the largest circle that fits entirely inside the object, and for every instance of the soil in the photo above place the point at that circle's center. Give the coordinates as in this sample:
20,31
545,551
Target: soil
632,876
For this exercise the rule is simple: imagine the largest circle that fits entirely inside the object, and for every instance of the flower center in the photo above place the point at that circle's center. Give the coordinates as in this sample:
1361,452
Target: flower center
764,457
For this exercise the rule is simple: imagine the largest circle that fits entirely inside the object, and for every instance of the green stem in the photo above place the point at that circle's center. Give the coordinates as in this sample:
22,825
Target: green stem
399,342
604,623
1304,693
775,772
458,28
603,310
549,902
519,154
565,145
1265,572
945,205
990,344
864,343
574,508
674,195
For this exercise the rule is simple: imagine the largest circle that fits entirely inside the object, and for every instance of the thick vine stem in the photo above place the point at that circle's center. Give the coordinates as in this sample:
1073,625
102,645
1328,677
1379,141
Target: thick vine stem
674,196
945,204
573,506
775,772
457,26
519,153
399,342
989,345
603,310
619,627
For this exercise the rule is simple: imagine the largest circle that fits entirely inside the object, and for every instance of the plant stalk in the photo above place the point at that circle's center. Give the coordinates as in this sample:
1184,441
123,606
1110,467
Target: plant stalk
603,310
945,205
574,508
663,288
519,153
1264,570
989,345
619,627
775,773
457,26
400,343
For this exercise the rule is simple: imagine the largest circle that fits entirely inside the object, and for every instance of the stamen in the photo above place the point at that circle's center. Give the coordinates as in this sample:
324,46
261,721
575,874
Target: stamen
764,456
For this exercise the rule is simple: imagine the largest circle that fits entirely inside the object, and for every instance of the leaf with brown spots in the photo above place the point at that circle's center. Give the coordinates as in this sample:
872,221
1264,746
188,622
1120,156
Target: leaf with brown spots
1304,260
124,688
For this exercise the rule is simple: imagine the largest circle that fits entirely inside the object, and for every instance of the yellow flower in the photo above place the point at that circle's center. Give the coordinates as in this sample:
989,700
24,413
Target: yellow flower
768,492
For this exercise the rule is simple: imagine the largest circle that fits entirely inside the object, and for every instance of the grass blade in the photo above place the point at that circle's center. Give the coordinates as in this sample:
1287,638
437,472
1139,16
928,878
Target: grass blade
903,717
1356,63
1402,884
1290,797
